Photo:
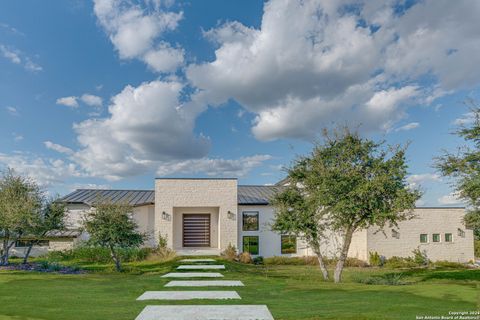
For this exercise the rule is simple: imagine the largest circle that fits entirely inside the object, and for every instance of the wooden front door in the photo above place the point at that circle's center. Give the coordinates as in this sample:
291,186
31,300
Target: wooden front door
196,230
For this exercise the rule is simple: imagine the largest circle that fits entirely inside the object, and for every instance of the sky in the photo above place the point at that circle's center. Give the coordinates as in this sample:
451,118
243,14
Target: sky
113,93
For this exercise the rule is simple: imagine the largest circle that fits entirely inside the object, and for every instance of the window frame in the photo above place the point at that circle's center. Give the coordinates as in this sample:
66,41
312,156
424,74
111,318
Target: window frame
257,213
281,243
426,237
248,249
446,239
439,237
25,243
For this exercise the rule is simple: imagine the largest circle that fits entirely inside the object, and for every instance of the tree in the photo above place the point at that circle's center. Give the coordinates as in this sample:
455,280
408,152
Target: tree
110,225
20,203
50,218
297,214
464,168
352,183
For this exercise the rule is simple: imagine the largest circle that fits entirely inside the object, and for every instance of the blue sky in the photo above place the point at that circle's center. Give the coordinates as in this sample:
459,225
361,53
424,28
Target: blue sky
113,93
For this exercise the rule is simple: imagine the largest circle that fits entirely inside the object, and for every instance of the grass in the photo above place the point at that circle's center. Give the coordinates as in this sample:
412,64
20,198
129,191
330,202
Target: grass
290,292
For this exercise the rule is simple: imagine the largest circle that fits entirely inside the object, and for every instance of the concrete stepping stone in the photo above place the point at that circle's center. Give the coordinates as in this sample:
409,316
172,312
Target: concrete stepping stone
204,312
197,260
193,275
188,295
205,283
200,267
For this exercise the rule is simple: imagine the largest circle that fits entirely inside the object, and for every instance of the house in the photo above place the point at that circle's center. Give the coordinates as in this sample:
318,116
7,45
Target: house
203,216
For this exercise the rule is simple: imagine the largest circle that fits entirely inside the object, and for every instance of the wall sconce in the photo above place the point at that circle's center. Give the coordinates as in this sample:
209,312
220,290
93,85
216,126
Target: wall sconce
231,215
165,216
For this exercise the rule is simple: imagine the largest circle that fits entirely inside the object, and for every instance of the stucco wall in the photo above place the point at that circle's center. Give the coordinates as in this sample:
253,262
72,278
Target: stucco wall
194,193
427,221
55,244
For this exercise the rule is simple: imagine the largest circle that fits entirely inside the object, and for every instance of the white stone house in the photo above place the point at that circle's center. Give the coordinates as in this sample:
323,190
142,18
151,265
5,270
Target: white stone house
204,216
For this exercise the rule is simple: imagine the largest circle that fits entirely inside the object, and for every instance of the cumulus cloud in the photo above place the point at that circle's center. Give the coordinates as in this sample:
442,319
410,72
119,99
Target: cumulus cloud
136,31
312,63
91,100
408,126
416,180
70,101
214,167
450,199
147,125
57,147
47,172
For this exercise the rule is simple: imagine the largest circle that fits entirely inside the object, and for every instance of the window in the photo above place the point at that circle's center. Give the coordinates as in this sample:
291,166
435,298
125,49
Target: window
448,237
250,220
27,243
289,244
436,237
395,234
423,238
250,244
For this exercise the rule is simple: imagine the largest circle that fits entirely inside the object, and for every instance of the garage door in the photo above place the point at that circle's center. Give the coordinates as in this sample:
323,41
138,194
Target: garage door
196,230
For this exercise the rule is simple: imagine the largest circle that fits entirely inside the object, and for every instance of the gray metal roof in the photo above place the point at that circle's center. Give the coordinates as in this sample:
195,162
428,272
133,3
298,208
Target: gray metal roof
261,195
247,195
132,197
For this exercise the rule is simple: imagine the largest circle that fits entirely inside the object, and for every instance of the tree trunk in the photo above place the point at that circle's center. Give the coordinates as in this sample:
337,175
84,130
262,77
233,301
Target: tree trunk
27,254
116,259
6,252
321,262
337,276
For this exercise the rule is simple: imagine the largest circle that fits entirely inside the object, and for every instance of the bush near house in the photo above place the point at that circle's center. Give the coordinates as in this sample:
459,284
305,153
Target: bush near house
97,254
477,248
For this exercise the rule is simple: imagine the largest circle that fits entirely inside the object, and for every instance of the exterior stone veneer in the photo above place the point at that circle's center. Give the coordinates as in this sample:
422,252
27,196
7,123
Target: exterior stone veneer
220,193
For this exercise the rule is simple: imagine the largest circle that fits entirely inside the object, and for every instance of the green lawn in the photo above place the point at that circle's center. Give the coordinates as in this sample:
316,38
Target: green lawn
290,292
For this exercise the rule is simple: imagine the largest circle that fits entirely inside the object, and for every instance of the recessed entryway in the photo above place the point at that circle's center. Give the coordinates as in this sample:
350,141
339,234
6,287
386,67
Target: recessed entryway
196,230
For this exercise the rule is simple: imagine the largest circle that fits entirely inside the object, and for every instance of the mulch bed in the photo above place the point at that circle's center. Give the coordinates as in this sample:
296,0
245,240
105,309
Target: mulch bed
38,267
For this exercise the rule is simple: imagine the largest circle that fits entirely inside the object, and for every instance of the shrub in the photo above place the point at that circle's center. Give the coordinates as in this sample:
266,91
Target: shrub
354,262
449,265
99,254
258,260
391,279
278,260
399,262
420,257
245,257
162,241
477,248
374,259
230,253
162,254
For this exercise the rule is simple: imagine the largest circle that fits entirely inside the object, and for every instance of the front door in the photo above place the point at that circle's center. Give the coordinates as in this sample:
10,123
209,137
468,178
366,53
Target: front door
196,230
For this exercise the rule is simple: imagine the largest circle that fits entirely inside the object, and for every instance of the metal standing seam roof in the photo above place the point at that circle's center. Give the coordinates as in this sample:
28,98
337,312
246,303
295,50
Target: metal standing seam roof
247,195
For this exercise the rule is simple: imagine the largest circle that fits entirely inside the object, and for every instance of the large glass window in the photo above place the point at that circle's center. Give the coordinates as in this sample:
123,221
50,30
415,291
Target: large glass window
250,244
250,220
289,244
448,237
436,237
423,238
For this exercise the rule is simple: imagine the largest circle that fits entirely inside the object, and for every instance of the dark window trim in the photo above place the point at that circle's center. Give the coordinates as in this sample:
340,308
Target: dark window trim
451,237
439,237
258,220
426,237
258,245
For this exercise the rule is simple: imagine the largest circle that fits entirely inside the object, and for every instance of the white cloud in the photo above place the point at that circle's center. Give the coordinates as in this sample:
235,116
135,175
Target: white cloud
416,180
147,125
17,137
11,54
214,167
17,57
12,111
408,126
450,199
312,63
466,119
92,100
135,32
47,172
76,186
57,147
70,101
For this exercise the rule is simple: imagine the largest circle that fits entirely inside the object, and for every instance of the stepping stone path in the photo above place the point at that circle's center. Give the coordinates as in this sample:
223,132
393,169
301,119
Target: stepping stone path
201,267
205,283
193,275
188,295
200,312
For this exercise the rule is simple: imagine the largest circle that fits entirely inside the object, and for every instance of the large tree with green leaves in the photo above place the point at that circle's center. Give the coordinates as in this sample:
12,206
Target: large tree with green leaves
50,218
110,225
20,203
347,183
464,167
